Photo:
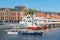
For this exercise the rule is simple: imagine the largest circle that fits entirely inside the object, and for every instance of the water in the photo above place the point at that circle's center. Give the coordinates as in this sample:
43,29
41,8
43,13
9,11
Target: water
49,34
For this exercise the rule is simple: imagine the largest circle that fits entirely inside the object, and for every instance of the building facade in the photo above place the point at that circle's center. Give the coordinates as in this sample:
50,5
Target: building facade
16,14
12,14
51,15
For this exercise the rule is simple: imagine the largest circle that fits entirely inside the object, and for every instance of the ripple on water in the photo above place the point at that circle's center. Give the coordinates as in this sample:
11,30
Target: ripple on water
51,34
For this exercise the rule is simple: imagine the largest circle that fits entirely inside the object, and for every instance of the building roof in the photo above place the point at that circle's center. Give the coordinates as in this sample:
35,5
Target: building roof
42,15
17,8
53,16
2,8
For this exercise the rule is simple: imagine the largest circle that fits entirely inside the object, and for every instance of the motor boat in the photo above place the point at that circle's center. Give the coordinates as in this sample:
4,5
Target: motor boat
31,32
12,31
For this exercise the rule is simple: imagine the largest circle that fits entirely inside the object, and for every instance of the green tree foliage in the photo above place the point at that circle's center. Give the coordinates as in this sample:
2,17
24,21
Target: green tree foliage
30,11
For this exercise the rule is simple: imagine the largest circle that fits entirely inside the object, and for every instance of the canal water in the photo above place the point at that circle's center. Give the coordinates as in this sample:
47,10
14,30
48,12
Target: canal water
49,34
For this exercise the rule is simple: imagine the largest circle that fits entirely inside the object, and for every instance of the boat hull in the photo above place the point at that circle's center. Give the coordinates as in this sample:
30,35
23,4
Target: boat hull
26,33
32,33
12,32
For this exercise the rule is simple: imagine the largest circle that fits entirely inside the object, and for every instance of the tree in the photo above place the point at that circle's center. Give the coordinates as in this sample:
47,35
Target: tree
30,11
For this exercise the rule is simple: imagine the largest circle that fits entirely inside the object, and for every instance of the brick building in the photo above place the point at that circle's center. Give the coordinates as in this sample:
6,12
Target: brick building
16,14
12,14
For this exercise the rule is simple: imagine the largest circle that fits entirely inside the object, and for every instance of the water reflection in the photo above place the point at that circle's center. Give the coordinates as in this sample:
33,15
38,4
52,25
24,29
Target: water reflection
2,35
49,34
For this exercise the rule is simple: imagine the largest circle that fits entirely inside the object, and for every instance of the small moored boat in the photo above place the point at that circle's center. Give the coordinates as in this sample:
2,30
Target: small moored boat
12,32
30,33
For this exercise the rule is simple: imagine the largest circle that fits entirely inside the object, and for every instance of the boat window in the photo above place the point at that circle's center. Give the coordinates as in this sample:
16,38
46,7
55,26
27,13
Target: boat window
29,21
28,17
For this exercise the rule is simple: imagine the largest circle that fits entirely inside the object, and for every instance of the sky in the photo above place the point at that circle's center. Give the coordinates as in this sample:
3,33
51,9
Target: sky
43,5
